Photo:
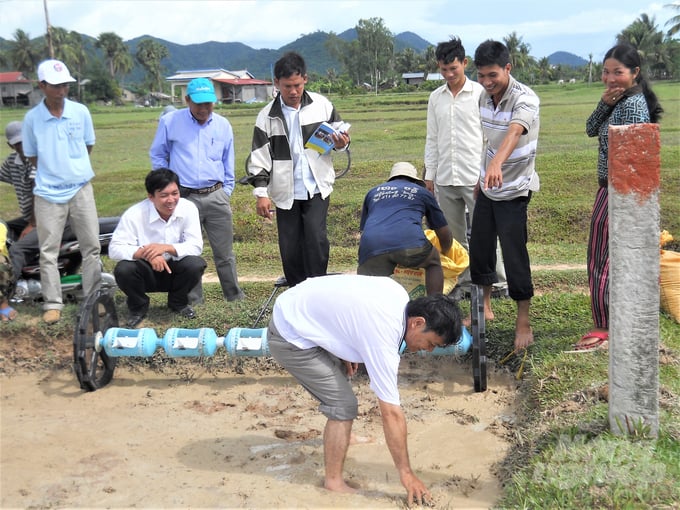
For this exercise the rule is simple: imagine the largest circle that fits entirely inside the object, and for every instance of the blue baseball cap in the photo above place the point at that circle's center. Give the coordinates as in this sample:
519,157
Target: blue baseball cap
201,90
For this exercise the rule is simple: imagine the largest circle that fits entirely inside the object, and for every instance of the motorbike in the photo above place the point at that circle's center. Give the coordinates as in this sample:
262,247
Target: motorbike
69,260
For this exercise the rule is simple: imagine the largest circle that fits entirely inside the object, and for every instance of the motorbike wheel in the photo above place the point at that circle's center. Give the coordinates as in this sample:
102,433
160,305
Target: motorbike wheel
342,161
93,368
478,326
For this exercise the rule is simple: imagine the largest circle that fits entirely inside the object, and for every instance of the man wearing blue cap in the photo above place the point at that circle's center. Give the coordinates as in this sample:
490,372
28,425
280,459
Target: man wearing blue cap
198,145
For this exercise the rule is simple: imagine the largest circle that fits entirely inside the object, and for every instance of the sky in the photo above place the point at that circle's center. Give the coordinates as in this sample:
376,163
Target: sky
581,27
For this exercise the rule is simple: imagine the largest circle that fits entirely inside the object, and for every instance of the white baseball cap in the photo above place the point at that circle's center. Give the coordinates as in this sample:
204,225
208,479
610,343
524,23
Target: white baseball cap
54,72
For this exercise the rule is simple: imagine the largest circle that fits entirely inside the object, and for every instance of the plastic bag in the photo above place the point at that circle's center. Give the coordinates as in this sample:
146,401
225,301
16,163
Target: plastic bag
669,279
454,262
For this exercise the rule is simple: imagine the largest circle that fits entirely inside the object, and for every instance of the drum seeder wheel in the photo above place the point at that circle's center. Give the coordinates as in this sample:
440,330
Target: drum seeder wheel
478,337
93,368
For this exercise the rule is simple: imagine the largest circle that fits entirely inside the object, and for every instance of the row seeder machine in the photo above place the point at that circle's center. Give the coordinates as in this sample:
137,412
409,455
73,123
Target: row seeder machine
98,341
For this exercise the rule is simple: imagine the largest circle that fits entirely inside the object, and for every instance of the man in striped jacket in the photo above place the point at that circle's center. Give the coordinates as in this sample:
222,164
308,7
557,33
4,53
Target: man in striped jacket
298,180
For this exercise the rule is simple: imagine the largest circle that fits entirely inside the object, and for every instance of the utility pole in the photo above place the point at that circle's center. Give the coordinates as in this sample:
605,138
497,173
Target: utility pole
50,46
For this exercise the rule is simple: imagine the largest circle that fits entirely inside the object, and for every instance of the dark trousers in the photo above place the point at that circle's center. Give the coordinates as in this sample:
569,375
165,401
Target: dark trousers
303,239
26,250
136,277
506,220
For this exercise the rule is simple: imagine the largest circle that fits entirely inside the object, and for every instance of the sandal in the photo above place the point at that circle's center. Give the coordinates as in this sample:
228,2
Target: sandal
600,344
8,314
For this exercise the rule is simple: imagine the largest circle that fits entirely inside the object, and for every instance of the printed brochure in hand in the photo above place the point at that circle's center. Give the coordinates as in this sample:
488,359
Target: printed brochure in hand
321,140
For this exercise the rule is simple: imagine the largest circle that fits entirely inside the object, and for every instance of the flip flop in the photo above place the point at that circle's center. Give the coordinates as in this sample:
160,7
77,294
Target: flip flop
8,314
601,344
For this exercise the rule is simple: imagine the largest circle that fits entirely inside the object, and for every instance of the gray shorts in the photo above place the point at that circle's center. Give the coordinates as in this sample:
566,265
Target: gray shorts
321,373
384,264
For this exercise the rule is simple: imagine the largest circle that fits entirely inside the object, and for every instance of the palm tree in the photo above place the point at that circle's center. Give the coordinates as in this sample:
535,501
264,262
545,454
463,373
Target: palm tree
68,47
545,70
406,61
149,55
515,47
644,34
674,22
641,33
522,63
117,56
23,53
430,59
78,52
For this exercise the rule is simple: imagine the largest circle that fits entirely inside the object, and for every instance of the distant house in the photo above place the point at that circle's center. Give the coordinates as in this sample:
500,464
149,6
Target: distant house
413,78
417,78
230,86
15,89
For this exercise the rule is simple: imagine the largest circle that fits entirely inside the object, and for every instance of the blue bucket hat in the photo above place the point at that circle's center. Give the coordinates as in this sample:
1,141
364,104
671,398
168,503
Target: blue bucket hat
201,90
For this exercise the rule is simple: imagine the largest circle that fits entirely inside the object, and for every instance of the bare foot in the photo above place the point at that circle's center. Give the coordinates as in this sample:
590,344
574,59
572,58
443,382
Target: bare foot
340,486
488,316
524,337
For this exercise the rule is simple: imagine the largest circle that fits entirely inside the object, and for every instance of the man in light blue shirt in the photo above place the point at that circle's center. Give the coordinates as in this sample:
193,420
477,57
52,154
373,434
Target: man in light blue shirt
198,145
58,136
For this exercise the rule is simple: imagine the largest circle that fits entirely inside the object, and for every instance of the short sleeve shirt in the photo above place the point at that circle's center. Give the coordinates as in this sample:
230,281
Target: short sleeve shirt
519,105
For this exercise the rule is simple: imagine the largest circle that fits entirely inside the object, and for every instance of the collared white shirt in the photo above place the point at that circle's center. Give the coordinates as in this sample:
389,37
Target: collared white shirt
141,225
303,179
454,143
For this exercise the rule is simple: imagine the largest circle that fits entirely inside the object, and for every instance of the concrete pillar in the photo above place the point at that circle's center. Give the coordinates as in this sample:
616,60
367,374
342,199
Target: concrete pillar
634,177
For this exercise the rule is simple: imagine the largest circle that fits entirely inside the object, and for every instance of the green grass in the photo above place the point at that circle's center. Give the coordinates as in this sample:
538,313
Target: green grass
562,455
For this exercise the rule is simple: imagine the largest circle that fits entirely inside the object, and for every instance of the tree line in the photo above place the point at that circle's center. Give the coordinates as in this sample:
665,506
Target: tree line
104,74
368,62
371,59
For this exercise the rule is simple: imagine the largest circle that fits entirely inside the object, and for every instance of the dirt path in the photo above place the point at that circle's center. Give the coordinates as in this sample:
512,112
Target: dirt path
252,440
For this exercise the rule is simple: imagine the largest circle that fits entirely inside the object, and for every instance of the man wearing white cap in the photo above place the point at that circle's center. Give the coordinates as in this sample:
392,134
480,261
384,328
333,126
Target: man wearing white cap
392,232
198,145
58,136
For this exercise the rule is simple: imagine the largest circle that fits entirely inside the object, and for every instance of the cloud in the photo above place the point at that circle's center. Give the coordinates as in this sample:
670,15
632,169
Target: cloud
579,26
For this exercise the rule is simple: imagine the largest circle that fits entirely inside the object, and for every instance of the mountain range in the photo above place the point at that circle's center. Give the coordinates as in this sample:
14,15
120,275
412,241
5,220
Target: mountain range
235,56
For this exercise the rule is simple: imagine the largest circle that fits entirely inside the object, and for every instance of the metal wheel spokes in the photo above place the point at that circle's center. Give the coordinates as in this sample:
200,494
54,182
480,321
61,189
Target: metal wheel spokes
478,326
97,314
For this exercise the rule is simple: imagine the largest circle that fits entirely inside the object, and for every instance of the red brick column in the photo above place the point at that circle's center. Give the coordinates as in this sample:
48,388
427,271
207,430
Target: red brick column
634,177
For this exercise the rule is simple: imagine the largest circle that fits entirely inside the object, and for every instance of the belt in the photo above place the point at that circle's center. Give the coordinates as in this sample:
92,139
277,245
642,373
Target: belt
202,191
